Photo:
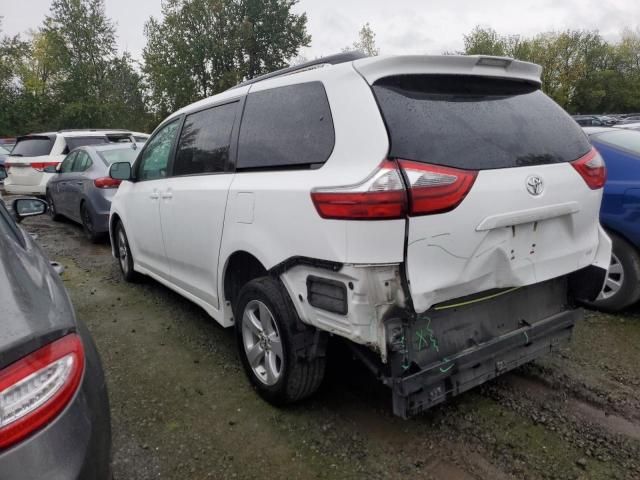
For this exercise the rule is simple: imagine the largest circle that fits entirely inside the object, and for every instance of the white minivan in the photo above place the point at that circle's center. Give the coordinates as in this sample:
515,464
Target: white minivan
439,213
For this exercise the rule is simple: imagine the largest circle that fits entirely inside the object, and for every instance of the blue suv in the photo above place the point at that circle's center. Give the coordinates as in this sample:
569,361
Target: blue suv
620,214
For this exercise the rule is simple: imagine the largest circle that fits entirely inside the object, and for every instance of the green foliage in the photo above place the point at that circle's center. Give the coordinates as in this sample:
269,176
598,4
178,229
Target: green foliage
68,74
581,71
202,47
366,42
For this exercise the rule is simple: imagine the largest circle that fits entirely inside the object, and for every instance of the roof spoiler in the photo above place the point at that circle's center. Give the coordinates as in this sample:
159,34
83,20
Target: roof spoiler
374,68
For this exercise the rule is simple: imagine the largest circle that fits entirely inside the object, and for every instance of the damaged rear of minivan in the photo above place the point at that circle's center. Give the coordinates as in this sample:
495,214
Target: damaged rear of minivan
501,194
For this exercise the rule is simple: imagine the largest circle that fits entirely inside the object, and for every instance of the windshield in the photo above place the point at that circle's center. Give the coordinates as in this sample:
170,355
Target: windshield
116,155
3,151
625,139
32,147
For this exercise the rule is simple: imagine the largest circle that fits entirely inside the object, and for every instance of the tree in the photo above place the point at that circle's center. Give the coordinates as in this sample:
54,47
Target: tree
366,42
580,70
202,47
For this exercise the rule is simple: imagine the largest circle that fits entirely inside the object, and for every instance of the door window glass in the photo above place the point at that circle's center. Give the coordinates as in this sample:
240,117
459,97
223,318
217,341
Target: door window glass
155,158
67,163
83,162
204,141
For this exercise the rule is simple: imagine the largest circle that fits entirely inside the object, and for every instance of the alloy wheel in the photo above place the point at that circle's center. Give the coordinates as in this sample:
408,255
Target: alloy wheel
614,280
262,342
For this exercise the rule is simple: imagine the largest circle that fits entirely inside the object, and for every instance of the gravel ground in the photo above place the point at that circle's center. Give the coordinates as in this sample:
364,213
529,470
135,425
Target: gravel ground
181,407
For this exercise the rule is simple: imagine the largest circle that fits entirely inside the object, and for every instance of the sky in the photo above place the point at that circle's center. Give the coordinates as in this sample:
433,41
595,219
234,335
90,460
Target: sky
401,26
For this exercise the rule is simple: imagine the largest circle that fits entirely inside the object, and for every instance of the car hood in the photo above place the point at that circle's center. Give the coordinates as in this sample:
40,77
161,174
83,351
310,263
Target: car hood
34,306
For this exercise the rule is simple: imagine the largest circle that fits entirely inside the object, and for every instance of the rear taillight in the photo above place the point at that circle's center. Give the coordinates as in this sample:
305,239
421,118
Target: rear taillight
380,197
592,169
435,189
40,166
36,388
106,182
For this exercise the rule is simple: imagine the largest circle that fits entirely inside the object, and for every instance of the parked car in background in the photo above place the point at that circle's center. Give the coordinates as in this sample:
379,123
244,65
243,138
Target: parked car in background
7,142
629,119
629,126
588,120
33,153
619,214
439,213
3,156
54,409
81,189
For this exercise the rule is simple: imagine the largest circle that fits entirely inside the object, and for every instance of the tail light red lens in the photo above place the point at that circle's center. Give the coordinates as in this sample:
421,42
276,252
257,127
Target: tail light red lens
36,388
106,182
435,189
380,197
40,166
592,169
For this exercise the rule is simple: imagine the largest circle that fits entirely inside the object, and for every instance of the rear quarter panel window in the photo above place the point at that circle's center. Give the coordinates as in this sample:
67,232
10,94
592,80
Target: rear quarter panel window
475,122
286,127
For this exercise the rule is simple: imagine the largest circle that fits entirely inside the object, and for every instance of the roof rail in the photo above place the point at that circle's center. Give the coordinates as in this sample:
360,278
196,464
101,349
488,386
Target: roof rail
93,130
317,63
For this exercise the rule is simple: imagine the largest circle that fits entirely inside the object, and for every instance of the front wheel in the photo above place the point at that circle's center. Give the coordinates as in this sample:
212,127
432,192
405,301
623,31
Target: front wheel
274,345
622,284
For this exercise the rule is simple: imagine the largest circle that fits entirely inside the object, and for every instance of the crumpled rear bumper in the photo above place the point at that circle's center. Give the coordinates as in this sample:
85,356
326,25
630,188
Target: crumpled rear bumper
457,346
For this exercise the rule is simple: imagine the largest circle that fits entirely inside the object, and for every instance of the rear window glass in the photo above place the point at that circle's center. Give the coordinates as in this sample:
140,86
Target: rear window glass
625,139
33,147
75,142
475,122
119,155
286,127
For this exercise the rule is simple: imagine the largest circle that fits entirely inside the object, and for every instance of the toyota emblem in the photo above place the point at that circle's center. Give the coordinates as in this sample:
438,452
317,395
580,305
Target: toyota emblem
535,185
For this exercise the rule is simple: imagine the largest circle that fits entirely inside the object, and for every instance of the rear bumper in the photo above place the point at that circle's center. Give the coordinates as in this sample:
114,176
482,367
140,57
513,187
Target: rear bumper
13,189
461,344
447,378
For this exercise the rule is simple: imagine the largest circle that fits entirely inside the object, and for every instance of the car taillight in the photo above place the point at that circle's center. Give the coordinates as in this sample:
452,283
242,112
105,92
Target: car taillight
381,196
435,189
40,166
592,169
106,182
36,388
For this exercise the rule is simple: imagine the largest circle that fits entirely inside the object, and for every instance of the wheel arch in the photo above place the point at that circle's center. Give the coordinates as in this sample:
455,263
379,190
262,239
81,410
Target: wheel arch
239,268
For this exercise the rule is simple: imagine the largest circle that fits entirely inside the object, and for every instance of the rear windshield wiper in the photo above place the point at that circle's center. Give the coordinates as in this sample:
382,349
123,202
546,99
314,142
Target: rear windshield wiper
16,155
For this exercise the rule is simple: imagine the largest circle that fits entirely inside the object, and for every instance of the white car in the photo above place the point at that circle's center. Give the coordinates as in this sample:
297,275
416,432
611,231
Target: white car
33,153
440,213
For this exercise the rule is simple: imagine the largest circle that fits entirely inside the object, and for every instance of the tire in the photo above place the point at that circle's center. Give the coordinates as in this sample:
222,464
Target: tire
87,224
123,251
56,217
625,271
300,373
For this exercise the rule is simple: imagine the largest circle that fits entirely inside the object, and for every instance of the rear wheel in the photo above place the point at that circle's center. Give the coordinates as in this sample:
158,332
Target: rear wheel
622,284
274,345
52,209
88,224
125,259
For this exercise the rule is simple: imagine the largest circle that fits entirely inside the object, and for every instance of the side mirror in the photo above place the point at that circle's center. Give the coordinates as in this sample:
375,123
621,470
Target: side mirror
28,207
120,171
50,169
3,173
